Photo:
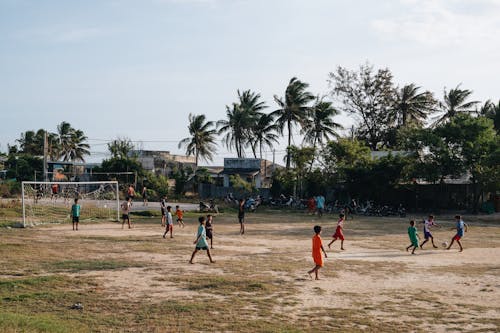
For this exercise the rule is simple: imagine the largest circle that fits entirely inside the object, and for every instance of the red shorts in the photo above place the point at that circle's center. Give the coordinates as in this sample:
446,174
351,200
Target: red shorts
457,237
338,234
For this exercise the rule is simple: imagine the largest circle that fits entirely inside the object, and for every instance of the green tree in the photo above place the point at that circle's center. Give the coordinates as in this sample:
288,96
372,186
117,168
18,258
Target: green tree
293,109
454,103
264,133
370,97
412,107
471,143
72,143
202,140
492,111
120,148
242,118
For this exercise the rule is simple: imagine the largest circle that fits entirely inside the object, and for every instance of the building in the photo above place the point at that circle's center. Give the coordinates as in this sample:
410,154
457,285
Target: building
162,162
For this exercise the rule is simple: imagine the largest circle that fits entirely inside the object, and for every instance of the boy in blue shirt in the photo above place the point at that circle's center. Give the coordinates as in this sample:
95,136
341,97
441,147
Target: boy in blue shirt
201,241
461,228
75,214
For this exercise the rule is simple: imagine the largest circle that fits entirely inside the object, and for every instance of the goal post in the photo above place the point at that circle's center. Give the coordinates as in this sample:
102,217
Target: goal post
50,202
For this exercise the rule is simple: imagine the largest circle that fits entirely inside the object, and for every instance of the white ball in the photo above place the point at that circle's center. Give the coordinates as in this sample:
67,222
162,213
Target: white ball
105,206
444,244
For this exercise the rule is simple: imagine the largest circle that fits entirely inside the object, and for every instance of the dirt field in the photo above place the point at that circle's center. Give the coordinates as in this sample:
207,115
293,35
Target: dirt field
136,281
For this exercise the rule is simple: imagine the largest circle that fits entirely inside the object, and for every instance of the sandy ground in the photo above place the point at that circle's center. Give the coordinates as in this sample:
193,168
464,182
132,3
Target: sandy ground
368,275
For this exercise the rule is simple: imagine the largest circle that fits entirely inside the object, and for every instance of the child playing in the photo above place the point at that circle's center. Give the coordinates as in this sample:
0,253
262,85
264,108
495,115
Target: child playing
427,231
170,223
241,216
75,214
339,233
317,247
179,214
126,212
163,206
209,229
461,228
201,241
412,233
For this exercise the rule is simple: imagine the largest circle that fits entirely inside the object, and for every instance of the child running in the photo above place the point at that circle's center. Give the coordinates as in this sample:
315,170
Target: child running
75,214
427,231
317,247
179,214
339,233
201,241
461,227
209,229
413,234
170,223
126,212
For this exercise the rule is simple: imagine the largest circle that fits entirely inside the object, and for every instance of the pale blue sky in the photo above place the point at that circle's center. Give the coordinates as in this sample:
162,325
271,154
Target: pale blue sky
138,68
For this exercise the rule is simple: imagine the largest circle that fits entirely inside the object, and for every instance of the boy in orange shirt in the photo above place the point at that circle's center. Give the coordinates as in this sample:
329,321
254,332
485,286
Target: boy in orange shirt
317,247
179,214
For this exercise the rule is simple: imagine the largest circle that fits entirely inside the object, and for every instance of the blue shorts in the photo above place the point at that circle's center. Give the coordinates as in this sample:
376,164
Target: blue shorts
427,235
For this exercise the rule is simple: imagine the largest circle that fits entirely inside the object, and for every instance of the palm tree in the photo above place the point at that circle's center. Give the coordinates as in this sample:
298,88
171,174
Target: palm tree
292,109
64,131
492,111
412,107
76,149
264,133
201,143
241,119
455,102
319,124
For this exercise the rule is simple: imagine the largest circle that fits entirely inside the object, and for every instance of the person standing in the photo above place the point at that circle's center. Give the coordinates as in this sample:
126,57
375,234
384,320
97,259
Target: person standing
75,214
163,207
209,229
241,216
144,196
126,212
170,223
320,205
413,235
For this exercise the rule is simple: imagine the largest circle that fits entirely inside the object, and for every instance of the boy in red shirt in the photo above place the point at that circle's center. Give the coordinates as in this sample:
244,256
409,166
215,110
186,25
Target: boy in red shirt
180,215
317,247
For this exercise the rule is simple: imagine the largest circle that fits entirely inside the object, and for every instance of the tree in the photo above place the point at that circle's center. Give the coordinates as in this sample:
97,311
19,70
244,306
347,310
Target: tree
72,146
241,119
120,148
411,107
319,126
201,143
471,142
293,109
264,133
492,111
454,103
369,96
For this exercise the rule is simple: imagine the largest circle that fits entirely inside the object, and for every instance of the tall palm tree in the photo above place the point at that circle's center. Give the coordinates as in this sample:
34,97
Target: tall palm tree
412,107
76,149
492,111
455,102
202,140
264,133
241,119
64,131
319,125
292,109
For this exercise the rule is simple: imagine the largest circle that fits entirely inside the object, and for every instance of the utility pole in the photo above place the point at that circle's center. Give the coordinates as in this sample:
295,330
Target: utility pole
45,151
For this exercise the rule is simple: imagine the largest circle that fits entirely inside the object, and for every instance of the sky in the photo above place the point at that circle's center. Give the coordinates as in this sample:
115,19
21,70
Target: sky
137,68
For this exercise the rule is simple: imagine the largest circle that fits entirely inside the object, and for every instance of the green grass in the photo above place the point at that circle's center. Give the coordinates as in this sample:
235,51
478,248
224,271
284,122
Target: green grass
74,266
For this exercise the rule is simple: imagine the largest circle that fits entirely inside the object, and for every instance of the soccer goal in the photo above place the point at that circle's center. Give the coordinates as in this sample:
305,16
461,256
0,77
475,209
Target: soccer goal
50,202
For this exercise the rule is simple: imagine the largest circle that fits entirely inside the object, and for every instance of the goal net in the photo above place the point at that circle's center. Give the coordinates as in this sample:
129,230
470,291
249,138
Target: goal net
50,202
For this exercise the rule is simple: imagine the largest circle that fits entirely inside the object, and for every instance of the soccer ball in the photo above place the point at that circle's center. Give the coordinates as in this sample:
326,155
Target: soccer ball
444,244
105,206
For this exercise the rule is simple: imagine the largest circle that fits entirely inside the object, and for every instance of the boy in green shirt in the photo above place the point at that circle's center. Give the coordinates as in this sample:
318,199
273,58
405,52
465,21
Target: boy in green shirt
412,233
75,214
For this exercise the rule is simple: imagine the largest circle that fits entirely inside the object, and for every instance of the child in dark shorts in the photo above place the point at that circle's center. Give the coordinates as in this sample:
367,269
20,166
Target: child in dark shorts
209,229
